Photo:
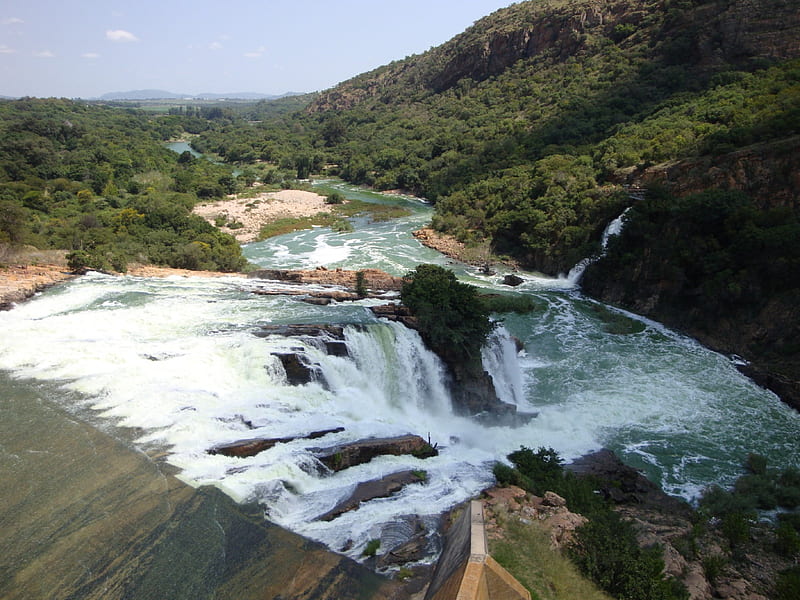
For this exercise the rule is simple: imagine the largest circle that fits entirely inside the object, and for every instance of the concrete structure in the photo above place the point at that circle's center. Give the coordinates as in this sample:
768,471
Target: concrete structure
465,570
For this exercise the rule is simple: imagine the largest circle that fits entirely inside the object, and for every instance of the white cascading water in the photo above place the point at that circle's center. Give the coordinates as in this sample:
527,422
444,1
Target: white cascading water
612,229
173,365
500,359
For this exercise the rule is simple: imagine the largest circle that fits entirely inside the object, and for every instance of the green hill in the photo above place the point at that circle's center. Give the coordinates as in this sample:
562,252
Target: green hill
529,129
99,183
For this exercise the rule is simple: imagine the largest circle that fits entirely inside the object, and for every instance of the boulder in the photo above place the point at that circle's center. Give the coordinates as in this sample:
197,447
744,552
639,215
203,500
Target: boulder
362,451
245,448
413,550
513,280
370,490
298,371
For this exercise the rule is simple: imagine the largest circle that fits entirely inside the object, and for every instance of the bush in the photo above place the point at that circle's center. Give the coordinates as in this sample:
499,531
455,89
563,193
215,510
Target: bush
787,540
788,584
606,551
334,198
371,549
361,284
452,319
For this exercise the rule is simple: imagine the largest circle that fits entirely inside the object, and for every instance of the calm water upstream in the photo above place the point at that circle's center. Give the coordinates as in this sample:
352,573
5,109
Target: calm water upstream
173,363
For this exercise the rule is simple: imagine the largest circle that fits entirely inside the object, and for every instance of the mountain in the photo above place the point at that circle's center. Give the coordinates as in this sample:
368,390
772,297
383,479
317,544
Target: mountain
164,95
143,95
530,129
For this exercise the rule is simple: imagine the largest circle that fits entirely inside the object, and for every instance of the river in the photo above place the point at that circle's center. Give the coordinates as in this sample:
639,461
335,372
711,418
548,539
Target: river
173,365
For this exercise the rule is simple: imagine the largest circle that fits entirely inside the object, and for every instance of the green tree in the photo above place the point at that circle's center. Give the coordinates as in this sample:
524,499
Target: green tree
452,319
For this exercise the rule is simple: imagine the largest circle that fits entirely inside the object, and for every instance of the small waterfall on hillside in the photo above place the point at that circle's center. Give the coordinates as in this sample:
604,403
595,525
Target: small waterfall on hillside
612,229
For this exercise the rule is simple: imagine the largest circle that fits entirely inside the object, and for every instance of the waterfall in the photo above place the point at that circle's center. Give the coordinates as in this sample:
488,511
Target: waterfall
612,229
395,363
500,360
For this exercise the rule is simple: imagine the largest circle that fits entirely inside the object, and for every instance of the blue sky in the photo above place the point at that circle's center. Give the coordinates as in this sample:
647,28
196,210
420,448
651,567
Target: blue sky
85,48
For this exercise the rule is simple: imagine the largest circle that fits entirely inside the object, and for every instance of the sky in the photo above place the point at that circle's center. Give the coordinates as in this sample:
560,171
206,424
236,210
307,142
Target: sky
86,48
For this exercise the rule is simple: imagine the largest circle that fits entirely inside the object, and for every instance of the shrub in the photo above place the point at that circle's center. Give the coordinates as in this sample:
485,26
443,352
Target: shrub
361,284
334,198
606,551
371,549
787,540
452,319
788,584
714,565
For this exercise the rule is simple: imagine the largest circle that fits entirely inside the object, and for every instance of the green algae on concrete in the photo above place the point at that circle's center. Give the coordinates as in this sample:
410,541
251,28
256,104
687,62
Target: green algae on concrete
87,516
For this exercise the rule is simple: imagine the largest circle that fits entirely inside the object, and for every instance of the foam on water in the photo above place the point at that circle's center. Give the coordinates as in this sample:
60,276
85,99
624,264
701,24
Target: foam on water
176,360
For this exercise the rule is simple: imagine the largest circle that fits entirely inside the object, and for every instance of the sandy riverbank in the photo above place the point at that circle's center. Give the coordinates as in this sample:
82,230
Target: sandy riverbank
254,212
20,282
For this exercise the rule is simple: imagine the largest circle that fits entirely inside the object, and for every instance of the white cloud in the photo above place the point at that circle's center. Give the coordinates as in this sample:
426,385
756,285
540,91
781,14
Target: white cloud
6,50
11,21
44,54
215,46
258,53
120,35
90,55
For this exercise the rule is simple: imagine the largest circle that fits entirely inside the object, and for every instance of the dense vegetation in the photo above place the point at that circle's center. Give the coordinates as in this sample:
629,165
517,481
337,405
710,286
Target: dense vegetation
452,319
605,549
743,261
522,146
98,182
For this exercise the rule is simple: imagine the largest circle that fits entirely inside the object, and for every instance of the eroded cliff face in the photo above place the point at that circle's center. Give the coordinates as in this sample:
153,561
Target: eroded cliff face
707,35
768,173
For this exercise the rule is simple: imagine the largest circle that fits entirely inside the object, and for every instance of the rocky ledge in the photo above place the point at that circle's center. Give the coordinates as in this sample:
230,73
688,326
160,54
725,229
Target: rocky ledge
18,283
362,451
689,545
373,279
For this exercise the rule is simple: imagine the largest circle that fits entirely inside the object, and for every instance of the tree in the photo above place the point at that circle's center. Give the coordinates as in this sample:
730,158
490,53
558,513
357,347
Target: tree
452,319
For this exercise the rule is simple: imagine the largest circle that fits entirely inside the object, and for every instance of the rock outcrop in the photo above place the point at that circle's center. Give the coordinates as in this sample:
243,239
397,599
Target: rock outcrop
715,32
362,451
371,490
251,447
373,279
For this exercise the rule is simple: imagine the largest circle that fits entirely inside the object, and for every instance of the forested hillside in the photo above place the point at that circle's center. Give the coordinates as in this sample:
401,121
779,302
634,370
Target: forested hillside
529,130
99,182
523,128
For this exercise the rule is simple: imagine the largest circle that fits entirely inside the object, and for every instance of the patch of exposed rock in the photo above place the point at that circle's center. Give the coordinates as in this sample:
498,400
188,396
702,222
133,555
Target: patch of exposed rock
372,490
20,282
362,451
374,279
550,511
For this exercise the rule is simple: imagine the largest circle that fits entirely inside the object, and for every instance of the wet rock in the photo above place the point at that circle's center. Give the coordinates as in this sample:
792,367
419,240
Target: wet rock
413,550
370,490
310,331
336,348
328,338
317,301
362,451
298,371
245,448
513,280
396,312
